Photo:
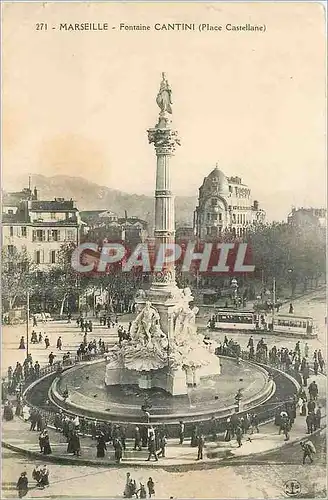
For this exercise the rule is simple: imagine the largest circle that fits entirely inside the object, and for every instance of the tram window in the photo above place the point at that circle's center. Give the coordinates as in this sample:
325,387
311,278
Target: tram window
304,324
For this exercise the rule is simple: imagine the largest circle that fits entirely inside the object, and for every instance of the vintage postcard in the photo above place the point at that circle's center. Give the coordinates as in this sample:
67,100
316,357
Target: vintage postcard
163,261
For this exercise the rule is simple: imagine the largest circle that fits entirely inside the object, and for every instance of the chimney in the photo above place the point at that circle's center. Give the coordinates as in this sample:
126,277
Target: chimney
126,215
35,193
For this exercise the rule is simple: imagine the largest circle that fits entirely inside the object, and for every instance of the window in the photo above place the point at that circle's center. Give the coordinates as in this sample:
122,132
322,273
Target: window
214,202
38,235
53,257
208,216
38,257
220,217
11,231
10,212
11,249
70,235
53,235
24,231
214,216
53,215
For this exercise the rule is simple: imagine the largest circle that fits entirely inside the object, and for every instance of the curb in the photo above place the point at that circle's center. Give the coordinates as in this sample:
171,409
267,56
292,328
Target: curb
250,459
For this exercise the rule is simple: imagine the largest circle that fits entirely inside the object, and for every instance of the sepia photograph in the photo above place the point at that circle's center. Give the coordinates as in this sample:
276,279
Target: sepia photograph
163,250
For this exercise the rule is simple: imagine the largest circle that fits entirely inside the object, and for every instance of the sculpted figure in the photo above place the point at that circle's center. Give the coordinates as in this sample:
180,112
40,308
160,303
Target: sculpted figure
145,320
164,96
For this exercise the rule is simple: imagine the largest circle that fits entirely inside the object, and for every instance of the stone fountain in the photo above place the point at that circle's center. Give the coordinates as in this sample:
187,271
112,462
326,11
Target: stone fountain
165,350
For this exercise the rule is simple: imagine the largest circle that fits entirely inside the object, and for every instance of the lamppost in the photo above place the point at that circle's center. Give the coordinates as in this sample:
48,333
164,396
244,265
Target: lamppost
291,277
27,321
234,287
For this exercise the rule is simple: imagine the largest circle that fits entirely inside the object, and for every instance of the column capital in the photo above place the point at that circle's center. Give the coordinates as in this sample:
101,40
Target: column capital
165,140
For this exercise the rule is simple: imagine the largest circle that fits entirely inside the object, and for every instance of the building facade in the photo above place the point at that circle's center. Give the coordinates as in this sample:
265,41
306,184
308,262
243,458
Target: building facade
106,225
39,227
225,205
308,216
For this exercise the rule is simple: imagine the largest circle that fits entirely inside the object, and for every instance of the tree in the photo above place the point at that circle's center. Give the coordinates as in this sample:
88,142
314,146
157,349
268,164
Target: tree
292,254
18,275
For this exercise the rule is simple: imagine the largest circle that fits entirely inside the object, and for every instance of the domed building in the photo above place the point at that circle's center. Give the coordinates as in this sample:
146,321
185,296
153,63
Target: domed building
224,205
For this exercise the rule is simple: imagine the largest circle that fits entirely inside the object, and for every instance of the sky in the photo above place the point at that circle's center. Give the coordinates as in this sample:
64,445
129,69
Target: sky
80,103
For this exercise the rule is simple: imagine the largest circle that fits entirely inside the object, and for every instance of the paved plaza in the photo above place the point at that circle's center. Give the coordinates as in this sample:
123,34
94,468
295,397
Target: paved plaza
225,468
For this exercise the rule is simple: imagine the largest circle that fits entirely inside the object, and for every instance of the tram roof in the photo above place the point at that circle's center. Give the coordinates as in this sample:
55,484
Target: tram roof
292,316
233,311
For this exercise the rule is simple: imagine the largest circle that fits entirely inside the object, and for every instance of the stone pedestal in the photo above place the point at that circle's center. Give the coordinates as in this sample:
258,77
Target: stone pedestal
145,381
176,383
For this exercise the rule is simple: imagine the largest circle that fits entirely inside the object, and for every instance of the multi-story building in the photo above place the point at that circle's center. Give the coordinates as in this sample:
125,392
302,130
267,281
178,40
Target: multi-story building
40,227
225,205
308,216
106,225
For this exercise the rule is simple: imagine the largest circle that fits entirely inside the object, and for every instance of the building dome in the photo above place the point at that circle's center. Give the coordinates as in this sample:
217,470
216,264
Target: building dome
217,179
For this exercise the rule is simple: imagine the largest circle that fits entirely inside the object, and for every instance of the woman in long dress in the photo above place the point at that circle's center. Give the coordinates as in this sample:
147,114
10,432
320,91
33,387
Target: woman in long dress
8,413
101,446
46,444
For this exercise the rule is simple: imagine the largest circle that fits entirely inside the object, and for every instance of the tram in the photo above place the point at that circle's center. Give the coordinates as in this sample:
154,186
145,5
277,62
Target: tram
234,320
294,325
284,324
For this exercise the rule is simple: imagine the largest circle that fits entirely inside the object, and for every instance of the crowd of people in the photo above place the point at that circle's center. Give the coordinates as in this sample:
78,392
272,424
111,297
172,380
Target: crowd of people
39,474
131,489
109,436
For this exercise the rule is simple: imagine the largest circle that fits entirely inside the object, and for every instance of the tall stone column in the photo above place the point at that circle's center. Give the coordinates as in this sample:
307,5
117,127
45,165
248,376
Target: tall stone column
164,291
165,140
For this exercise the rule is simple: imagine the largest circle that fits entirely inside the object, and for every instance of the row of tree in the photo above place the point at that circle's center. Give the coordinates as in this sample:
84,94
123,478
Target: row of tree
293,255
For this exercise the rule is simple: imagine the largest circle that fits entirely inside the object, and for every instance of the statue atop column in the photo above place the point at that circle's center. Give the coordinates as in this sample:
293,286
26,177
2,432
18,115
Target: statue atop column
164,96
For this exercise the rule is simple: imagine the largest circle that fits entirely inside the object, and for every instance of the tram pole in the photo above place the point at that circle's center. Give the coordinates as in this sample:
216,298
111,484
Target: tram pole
273,299
27,322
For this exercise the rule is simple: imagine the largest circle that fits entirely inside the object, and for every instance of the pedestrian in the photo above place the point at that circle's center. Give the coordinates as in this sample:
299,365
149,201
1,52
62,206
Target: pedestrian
321,360
51,358
315,367
308,450
44,479
152,445
35,323
310,421
162,446
305,373
22,485
59,343
313,391
41,442
291,308
141,491
201,443
73,445
46,341
254,423
8,413
311,405
151,487
118,450
137,438
36,474
239,435
46,444
21,343
181,432
101,446
306,350
317,419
